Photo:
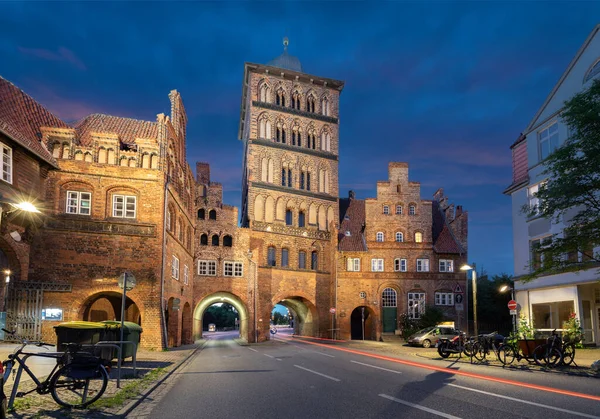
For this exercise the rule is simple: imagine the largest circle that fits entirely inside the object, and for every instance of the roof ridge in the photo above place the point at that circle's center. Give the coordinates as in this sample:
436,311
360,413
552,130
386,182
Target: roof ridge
112,116
447,227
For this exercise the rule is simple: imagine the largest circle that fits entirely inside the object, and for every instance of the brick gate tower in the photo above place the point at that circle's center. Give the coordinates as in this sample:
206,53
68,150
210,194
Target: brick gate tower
289,127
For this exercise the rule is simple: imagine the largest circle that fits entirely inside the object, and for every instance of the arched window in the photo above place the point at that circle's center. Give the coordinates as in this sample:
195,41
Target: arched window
301,260
283,174
398,209
280,100
201,214
412,210
215,240
388,298
169,218
418,237
296,100
399,237
227,241
288,217
264,93
386,210
310,103
271,256
204,239
284,258
301,219
379,236
314,261
212,215
154,161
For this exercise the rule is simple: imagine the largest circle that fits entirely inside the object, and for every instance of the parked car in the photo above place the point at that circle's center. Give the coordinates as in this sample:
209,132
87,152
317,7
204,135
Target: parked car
212,327
430,335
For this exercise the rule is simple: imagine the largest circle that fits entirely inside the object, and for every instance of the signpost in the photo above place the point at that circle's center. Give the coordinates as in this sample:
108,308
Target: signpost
126,282
332,311
512,306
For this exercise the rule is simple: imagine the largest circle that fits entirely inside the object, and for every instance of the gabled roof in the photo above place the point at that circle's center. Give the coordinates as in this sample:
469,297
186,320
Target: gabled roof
353,221
446,243
127,129
532,123
21,118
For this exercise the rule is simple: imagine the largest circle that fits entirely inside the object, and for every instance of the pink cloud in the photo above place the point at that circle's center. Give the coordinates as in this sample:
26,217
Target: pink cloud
67,109
62,54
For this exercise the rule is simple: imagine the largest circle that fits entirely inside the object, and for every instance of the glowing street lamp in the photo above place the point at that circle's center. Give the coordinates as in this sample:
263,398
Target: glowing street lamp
466,267
505,288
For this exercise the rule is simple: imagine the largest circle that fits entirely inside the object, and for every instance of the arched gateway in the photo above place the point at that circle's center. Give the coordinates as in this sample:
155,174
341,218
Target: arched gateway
220,297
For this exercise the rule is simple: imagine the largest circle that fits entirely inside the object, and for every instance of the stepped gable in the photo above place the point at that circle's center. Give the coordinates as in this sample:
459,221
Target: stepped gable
128,129
352,220
443,239
21,118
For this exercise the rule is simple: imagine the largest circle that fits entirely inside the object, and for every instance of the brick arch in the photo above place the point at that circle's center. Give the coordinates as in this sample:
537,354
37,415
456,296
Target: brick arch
110,303
16,263
306,315
246,329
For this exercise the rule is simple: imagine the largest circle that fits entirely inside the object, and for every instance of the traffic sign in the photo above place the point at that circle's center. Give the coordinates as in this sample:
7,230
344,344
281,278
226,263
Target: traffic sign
332,310
513,312
512,305
127,279
458,289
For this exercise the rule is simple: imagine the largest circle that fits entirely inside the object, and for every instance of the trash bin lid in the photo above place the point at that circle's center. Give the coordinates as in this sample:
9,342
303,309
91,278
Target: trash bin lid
130,326
80,325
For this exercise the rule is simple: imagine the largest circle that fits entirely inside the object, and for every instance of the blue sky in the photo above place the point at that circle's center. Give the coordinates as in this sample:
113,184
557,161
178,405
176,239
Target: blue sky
445,86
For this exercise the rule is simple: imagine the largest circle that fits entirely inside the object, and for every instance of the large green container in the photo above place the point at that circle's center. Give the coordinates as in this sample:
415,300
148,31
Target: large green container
131,332
78,332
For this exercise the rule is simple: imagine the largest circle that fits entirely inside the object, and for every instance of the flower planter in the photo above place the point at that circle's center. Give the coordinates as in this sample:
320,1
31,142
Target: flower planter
527,346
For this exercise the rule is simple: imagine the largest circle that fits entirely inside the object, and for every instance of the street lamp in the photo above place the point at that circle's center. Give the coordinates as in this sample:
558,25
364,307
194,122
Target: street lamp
255,297
505,288
466,267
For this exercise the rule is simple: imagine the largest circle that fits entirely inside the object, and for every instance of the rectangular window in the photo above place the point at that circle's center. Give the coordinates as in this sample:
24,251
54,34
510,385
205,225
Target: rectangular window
536,249
533,201
233,268
446,265
411,210
353,265
175,268
416,304
400,265
302,260
422,265
186,275
7,163
551,315
444,299
284,258
124,206
207,267
399,209
376,265
78,202
386,210
548,139
238,269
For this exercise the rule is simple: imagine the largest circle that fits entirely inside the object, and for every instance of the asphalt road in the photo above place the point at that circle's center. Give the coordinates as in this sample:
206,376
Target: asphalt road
294,379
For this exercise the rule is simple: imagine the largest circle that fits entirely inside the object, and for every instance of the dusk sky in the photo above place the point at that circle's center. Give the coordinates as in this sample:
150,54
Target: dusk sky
444,86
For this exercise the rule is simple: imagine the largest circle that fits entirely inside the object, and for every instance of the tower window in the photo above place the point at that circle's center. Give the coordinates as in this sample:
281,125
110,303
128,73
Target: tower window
288,217
271,256
215,240
212,215
301,219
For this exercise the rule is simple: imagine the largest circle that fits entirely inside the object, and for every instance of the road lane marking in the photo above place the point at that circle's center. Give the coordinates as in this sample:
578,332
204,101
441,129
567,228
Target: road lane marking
417,406
375,366
461,373
318,373
324,354
253,350
571,412
270,356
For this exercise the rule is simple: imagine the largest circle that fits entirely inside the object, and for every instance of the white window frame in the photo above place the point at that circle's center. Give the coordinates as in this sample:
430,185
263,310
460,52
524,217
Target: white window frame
232,268
532,200
386,210
75,203
416,305
120,210
444,298
446,265
552,139
175,267
399,235
400,265
398,209
379,236
186,274
376,265
422,265
207,267
412,210
353,264
7,163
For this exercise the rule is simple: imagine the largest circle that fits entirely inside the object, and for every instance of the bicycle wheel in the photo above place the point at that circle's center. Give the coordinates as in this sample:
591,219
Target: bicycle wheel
553,357
469,349
540,355
77,392
479,351
506,355
568,354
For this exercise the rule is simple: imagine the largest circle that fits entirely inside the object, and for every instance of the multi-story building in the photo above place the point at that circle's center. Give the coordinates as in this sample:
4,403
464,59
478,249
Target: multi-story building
548,301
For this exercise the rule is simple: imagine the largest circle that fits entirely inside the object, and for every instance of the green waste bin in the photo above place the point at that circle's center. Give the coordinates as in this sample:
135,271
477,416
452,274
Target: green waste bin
85,333
131,332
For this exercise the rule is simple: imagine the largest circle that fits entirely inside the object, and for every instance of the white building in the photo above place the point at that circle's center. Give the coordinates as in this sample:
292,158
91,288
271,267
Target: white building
547,301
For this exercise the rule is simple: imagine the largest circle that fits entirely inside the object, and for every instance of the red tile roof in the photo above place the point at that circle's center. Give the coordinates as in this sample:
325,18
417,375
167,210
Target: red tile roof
21,118
446,243
352,220
126,128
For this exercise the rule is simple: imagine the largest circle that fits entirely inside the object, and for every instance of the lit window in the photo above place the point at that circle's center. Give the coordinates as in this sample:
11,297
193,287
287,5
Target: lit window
418,237
353,264
175,268
78,202
124,206
416,304
7,163
444,299
422,265
446,265
376,265
548,139
400,265
380,236
532,199
207,267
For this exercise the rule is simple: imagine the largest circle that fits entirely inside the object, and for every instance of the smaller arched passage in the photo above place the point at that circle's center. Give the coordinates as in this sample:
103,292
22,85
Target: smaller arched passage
221,297
362,315
304,315
107,306
186,325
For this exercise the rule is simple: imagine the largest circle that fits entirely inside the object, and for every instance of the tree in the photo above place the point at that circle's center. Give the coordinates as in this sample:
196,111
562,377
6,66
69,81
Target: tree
571,193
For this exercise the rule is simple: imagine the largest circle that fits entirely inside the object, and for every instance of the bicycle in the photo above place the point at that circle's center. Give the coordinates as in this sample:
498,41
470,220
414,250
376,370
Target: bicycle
77,380
550,353
487,343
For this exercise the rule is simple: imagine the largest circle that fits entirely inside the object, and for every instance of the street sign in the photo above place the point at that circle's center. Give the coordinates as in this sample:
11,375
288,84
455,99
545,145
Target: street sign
458,299
332,310
130,281
512,305
513,312
458,289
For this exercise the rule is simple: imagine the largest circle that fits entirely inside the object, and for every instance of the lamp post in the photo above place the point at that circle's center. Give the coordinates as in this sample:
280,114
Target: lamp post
512,297
255,286
474,286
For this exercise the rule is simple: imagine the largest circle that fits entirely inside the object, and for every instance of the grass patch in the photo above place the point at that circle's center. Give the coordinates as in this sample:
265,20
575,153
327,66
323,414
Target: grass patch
21,404
129,391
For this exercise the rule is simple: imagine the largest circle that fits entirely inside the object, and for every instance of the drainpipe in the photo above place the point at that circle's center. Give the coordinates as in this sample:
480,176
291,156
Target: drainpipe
165,340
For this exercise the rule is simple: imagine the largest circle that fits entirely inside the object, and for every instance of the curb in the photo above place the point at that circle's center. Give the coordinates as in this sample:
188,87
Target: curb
140,398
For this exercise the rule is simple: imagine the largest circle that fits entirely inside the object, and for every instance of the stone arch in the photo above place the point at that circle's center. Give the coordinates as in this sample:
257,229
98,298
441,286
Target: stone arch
88,157
280,210
263,91
305,313
246,329
186,325
259,208
269,209
106,305
78,155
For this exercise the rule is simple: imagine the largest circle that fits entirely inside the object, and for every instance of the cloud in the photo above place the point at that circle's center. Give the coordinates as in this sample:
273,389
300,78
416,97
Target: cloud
62,54
65,108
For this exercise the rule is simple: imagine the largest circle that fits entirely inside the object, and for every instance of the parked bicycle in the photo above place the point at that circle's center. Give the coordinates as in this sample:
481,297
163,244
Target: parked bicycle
457,345
490,343
550,353
77,380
